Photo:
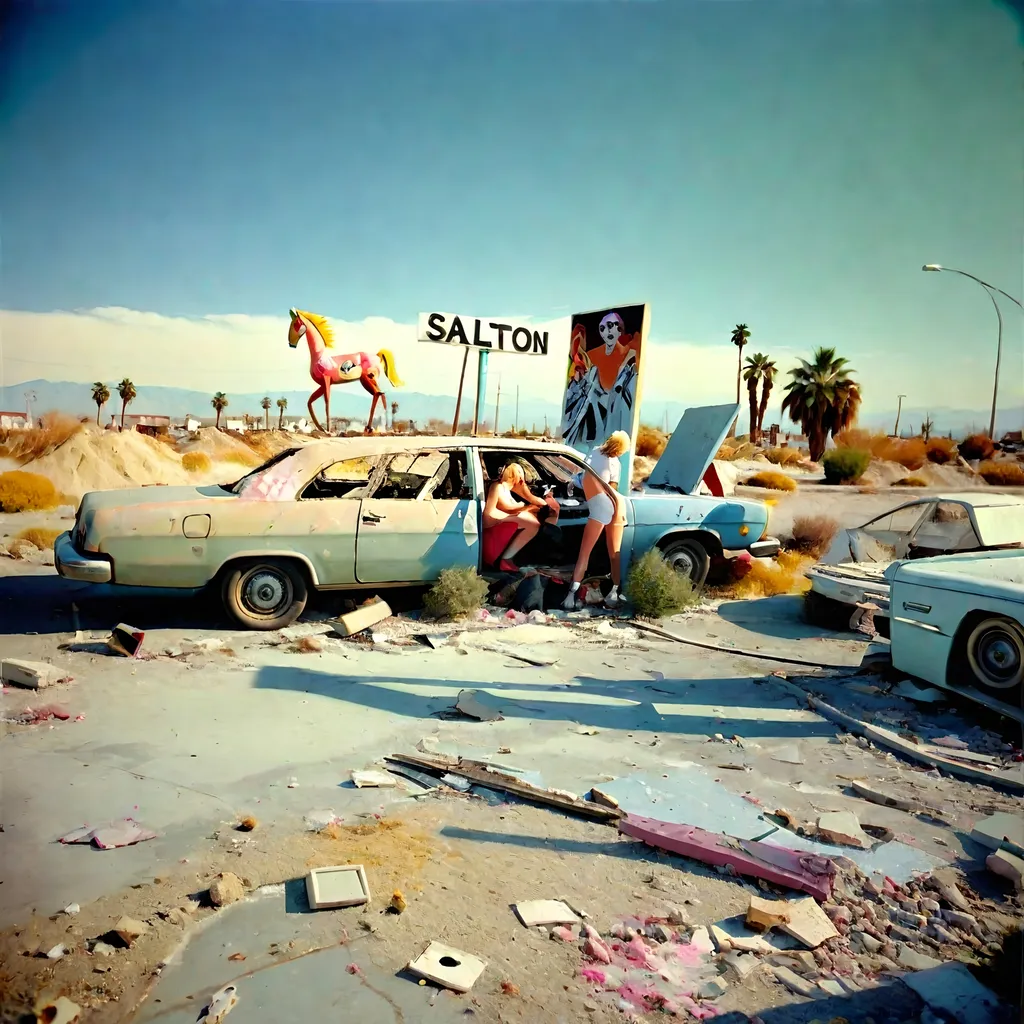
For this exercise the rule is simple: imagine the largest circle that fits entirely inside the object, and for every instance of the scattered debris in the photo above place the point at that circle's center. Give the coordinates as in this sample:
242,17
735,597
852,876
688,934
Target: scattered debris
470,705
237,957
951,991
363,617
428,783
225,889
246,824
450,968
788,755
125,640
345,885
71,909
57,1011
128,930
808,923
56,952
111,835
763,915
317,821
36,716
398,902
1000,829
793,982
1007,865
921,694
545,912
373,779
457,782
598,796
31,675
843,828
907,956
220,1005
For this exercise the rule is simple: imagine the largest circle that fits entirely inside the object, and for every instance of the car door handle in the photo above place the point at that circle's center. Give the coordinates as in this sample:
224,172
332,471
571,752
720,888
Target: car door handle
372,517
913,606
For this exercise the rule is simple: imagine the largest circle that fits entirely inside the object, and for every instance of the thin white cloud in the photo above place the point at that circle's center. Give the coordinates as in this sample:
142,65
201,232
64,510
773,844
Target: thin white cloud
236,352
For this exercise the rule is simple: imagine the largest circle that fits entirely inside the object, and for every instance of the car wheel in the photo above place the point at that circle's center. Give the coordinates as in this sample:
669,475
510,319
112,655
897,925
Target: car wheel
265,594
827,612
689,558
995,655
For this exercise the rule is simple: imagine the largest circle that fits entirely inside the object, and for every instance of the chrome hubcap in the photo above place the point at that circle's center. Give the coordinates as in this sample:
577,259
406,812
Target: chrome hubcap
999,657
682,563
264,592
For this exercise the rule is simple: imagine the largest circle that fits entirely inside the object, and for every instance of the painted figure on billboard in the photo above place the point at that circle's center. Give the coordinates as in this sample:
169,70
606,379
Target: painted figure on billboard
605,353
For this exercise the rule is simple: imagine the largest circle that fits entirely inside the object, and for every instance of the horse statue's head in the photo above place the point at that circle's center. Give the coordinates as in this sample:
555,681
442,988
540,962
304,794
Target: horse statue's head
311,326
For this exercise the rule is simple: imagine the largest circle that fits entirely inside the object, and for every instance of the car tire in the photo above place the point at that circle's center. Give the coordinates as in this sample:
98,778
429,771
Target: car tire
827,612
995,657
689,558
266,593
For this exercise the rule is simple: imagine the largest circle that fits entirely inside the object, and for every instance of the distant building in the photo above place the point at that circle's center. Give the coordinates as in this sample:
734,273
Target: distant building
147,424
14,421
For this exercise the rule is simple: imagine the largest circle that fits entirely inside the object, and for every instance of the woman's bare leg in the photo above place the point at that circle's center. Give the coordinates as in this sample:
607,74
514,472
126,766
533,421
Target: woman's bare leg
529,525
613,537
590,534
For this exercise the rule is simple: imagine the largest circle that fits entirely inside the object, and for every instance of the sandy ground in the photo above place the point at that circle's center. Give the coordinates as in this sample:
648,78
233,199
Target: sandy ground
187,742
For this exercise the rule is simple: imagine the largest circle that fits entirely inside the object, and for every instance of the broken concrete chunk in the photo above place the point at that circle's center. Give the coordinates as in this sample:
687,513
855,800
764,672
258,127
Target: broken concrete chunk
713,988
32,675
1008,866
808,923
101,948
831,987
843,828
220,1005
545,912
471,706
793,982
226,888
128,930
448,967
763,915
998,828
374,779
908,957
952,992
739,965
362,618
701,940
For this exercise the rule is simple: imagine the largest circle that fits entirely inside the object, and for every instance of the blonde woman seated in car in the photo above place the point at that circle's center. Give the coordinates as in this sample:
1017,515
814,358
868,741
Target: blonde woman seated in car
510,524
607,514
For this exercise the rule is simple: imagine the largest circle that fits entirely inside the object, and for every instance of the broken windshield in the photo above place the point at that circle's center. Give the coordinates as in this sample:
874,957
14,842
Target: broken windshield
236,487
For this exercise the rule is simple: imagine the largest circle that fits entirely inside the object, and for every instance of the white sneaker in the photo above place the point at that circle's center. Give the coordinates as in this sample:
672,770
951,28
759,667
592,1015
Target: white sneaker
613,598
571,602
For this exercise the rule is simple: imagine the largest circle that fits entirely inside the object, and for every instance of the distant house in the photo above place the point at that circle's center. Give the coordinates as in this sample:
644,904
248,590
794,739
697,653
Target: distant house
238,425
13,421
147,424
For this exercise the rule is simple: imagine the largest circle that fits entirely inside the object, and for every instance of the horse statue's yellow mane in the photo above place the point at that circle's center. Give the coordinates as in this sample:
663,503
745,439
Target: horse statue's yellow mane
321,324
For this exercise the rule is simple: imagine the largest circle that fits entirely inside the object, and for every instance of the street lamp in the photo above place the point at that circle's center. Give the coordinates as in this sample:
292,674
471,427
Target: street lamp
990,288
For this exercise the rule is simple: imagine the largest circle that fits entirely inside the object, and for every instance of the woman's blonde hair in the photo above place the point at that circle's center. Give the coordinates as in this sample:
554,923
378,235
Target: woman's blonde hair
512,473
616,444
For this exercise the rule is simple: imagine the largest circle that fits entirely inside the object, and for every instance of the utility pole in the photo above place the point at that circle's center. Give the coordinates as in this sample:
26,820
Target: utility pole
899,408
517,408
30,397
497,406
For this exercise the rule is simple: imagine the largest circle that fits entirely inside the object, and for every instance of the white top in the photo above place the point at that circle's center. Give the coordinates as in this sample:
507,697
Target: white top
606,468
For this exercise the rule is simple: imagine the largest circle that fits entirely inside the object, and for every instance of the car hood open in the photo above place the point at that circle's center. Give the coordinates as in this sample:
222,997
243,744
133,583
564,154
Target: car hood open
692,447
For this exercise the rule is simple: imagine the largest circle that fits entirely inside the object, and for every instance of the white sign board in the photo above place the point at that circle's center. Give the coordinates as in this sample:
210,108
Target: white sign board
487,335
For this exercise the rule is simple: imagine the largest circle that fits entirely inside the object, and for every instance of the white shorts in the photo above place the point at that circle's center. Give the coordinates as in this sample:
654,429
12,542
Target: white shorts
601,508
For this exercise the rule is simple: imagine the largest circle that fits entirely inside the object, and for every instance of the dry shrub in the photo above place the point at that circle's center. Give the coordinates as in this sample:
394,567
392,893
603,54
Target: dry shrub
26,492
256,442
911,481
977,446
845,465
725,454
910,452
656,590
248,459
650,442
940,450
785,575
456,594
813,535
1002,473
196,462
53,429
784,456
772,480
39,537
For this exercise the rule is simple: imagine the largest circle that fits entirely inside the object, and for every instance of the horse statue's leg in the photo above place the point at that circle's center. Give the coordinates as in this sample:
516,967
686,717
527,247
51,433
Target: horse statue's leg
373,408
309,405
327,403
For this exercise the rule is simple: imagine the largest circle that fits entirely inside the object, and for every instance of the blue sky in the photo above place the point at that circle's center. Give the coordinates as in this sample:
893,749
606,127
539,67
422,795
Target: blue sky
787,164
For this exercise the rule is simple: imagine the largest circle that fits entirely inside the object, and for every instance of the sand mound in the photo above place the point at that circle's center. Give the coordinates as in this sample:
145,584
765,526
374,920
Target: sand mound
95,460
955,478
221,446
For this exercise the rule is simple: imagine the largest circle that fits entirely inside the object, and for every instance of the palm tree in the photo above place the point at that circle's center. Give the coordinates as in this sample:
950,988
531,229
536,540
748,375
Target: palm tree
282,404
126,389
220,403
100,395
394,413
740,335
759,368
265,406
821,398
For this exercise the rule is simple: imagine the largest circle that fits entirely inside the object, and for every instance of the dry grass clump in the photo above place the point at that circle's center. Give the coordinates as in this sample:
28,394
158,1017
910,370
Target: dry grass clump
656,590
784,456
910,452
26,492
977,446
52,430
812,535
940,450
650,442
911,481
256,442
845,465
726,453
772,480
248,459
456,594
39,536
785,575
1002,473
196,462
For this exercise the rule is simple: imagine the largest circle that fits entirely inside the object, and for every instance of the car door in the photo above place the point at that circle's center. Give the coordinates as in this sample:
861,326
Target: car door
419,519
887,538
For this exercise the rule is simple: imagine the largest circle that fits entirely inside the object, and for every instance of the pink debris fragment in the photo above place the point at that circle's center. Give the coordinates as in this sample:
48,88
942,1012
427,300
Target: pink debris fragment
79,718
592,974
354,969
33,716
597,950
111,835
563,933
590,932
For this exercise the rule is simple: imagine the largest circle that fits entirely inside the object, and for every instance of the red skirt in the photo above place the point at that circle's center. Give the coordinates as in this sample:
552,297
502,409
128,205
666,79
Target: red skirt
496,539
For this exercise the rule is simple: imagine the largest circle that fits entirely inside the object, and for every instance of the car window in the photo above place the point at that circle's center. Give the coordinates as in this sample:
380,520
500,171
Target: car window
237,486
902,520
538,467
424,475
948,528
348,478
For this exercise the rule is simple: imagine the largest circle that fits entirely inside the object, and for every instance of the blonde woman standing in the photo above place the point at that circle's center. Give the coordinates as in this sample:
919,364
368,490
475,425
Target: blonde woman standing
607,514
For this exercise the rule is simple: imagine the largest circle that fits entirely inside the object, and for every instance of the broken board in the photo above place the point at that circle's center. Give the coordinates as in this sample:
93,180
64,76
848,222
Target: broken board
808,923
534,913
345,885
448,967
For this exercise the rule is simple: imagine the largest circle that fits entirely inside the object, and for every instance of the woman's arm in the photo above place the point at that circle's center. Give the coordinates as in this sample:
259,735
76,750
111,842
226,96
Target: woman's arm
524,492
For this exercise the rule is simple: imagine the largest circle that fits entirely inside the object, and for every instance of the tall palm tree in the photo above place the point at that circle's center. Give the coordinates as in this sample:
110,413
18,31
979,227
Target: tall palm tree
220,403
126,389
821,398
394,413
740,336
100,395
759,368
282,404
265,406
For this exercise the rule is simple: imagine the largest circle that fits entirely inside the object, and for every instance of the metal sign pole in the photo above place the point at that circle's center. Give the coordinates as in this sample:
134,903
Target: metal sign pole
458,400
481,389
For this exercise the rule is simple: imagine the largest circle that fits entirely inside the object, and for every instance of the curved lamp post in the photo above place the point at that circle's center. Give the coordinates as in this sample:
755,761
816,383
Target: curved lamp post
990,288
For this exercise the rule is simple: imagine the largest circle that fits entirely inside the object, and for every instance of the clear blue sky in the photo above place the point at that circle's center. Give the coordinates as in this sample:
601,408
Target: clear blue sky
787,164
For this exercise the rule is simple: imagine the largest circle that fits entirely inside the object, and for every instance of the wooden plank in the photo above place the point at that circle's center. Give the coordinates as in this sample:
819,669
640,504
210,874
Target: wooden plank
477,772
808,923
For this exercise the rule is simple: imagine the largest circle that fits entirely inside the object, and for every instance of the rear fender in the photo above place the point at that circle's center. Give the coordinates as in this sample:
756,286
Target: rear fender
241,556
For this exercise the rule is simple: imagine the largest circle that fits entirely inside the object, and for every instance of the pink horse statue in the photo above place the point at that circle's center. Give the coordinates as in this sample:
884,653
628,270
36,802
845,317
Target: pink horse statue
326,368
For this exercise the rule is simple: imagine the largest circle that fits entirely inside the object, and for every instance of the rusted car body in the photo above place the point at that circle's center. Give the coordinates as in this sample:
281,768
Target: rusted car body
373,512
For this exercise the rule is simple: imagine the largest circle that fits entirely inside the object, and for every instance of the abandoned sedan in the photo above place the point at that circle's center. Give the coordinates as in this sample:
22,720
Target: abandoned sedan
373,512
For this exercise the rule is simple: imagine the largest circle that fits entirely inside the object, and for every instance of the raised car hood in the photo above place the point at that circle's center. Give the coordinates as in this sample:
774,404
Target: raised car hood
692,447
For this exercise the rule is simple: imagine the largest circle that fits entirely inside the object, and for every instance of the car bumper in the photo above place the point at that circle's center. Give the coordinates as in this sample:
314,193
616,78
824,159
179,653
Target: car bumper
767,548
73,565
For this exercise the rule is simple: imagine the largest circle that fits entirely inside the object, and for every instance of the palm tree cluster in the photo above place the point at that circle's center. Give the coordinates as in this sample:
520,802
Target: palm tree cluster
759,368
822,398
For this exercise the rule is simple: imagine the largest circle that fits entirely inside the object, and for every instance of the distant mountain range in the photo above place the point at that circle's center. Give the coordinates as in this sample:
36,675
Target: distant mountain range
75,398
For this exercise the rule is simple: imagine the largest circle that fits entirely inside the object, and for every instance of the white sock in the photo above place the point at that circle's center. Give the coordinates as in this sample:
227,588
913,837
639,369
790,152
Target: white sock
570,600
